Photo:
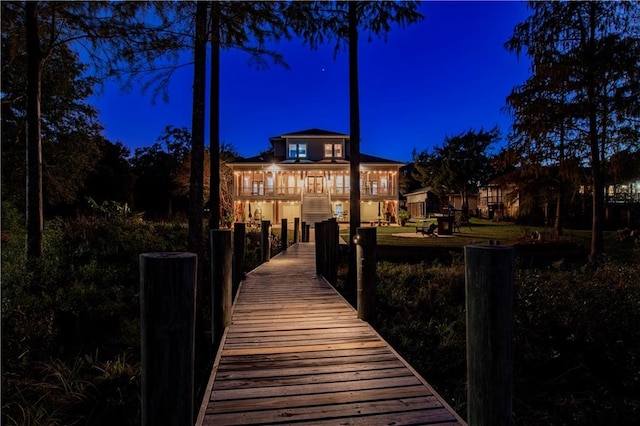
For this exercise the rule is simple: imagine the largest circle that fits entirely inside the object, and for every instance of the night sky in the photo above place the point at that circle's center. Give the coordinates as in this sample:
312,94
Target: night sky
440,77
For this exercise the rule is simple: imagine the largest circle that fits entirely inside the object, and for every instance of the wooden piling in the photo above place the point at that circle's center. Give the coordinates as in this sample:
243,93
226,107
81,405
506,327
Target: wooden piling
239,250
319,228
366,272
221,282
332,250
489,277
296,230
265,241
304,227
167,321
283,235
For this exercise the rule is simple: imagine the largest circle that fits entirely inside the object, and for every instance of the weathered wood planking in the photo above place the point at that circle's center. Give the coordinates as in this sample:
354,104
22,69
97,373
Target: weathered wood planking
296,353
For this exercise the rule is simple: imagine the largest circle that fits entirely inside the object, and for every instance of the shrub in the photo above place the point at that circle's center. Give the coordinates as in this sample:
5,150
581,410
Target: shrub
87,299
576,338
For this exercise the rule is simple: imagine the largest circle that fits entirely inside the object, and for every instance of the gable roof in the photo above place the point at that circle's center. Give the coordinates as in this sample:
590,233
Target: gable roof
313,132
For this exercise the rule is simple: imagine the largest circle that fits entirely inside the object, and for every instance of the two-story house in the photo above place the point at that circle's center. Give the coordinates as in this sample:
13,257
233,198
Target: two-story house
306,175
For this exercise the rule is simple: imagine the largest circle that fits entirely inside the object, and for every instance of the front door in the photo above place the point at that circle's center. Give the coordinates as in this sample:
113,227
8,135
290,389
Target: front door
314,184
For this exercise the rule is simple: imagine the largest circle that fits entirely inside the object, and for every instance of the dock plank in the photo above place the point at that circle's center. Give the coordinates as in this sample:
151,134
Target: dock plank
296,352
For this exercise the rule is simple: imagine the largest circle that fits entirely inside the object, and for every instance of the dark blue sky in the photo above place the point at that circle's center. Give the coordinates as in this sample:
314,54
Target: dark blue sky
440,77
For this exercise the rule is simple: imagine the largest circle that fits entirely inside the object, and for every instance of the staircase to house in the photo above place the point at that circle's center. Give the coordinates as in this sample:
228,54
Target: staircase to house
315,208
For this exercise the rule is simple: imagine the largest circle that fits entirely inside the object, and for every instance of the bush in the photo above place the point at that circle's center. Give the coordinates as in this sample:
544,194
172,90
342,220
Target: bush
576,345
87,300
576,338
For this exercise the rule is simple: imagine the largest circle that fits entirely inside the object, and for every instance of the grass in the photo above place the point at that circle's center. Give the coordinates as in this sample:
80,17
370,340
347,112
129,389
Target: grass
483,231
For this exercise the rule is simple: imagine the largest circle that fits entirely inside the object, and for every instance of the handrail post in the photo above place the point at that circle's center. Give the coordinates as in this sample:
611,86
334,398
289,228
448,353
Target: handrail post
265,241
221,272
167,322
489,278
365,241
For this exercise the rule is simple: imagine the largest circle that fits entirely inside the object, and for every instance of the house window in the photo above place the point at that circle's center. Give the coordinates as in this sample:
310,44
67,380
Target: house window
257,188
332,150
297,150
270,185
245,185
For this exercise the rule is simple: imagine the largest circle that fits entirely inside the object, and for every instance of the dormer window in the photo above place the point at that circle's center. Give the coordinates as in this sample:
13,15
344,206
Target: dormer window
297,150
332,150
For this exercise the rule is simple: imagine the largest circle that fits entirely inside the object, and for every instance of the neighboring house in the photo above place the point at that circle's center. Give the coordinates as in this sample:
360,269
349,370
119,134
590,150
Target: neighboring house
457,201
306,175
497,201
421,202
622,203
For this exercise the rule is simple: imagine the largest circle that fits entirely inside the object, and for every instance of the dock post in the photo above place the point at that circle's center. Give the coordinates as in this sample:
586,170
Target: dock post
221,283
365,241
296,230
302,230
167,322
283,235
239,250
307,232
489,278
319,245
332,250
265,241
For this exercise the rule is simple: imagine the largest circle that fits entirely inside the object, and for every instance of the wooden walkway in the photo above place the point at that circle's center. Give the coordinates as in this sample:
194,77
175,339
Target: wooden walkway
296,353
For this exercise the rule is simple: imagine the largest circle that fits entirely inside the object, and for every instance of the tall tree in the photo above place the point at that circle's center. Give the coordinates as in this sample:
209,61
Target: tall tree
459,165
597,47
542,134
49,25
35,58
196,195
246,26
317,22
155,168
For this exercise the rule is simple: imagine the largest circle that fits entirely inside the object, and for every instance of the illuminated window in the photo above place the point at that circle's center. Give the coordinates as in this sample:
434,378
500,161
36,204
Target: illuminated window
297,150
332,150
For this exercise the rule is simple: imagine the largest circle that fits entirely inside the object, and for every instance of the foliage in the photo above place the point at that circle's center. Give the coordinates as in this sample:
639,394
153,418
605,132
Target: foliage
459,165
575,338
582,99
87,301
156,167
70,131
83,390
403,215
112,177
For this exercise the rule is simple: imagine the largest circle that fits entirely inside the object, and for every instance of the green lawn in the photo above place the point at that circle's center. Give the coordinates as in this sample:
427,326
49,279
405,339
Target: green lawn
482,231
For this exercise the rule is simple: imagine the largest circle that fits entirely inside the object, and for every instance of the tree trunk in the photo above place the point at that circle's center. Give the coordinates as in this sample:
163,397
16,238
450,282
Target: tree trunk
354,124
195,239
597,239
196,196
34,208
557,223
214,119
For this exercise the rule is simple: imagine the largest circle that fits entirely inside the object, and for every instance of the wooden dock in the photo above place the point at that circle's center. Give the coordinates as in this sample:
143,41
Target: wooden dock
296,353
